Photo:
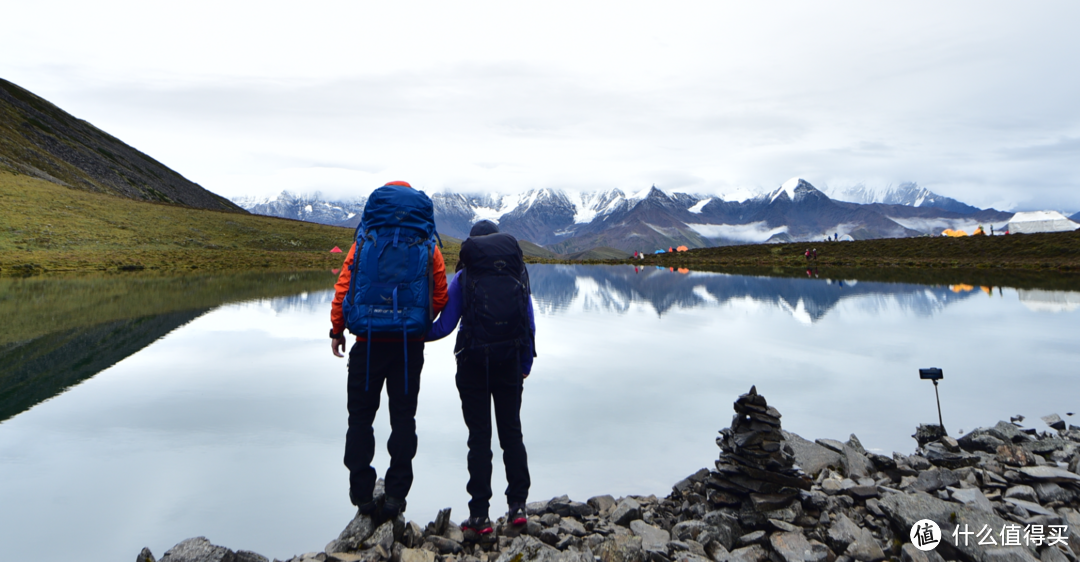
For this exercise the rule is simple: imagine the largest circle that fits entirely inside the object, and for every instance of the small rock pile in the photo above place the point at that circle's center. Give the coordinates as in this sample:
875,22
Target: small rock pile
774,497
753,463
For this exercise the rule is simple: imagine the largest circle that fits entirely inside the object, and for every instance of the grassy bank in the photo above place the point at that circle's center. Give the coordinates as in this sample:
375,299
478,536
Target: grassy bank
48,228
1058,252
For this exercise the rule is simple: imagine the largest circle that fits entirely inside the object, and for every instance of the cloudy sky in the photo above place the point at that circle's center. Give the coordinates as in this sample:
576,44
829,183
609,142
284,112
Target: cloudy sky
974,100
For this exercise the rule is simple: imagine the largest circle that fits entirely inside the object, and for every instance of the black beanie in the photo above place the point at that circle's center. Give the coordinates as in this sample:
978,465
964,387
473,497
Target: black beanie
483,227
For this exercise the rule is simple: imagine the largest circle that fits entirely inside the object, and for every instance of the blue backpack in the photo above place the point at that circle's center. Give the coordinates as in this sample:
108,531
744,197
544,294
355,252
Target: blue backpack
392,286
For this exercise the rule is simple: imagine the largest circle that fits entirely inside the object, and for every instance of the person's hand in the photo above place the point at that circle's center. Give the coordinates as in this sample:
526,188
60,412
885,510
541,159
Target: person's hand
337,345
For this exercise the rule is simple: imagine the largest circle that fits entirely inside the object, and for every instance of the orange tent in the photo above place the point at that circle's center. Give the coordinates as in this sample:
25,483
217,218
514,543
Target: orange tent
953,233
336,250
681,249
683,270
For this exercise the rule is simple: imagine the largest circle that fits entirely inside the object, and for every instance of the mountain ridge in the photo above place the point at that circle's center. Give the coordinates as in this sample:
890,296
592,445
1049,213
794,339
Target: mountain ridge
40,140
570,223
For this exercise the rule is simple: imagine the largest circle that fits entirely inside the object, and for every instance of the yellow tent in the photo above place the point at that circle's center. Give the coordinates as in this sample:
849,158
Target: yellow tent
953,233
979,231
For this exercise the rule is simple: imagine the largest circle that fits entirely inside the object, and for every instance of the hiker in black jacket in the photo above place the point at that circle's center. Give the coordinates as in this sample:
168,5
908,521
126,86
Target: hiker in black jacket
490,296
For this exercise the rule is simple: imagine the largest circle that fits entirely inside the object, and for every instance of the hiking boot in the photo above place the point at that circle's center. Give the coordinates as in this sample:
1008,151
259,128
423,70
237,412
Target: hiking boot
516,515
391,508
368,508
479,524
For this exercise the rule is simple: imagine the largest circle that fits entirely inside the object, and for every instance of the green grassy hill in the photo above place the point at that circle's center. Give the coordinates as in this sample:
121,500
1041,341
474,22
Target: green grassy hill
43,141
45,227
1050,251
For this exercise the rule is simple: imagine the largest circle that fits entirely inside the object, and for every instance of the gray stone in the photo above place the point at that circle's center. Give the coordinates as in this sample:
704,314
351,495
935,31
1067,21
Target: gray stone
626,511
382,536
1049,474
249,556
572,526
198,549
904,510
939,455
972,497
620,548
536,508
417,555
412,536
980,440
935,479
1008,433
784,526
908,553
717,552
355,533
445,545
602,504
755,537
549,536
145,555
842,532
856,465
865,548
1050,492
811,457
1052,553
831,486
454,533
831,444
550,519
1054,421
1030,507
690,530
528,549
1021,492
752,553
442,521
928,433
652,538
793,547
862,492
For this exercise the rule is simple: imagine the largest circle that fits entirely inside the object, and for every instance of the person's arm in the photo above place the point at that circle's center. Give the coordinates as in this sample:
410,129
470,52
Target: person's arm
438,294
529,351
337,317
451,313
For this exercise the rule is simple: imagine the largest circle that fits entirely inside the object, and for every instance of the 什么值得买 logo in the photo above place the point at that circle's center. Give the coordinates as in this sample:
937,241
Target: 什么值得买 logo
925,534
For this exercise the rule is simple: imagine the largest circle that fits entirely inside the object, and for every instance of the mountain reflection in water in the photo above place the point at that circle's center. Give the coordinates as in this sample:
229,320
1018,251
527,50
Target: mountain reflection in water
615,289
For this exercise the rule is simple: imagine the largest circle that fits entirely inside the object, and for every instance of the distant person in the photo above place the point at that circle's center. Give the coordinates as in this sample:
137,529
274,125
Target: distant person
389,338
991,230
814,254
807,254
490,296
836,236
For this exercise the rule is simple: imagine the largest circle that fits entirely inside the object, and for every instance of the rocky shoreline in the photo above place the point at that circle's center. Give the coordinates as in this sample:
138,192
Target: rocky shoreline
999,494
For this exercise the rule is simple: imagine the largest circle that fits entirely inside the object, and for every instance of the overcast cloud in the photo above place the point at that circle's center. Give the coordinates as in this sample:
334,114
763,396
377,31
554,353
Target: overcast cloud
974,100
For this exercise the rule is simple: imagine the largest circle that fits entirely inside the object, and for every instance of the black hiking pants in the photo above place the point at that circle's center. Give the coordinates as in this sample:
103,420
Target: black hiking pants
387,364
480,382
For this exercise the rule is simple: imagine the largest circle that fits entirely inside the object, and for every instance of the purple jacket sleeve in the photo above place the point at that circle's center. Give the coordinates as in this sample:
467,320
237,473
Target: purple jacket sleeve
528,351
451,315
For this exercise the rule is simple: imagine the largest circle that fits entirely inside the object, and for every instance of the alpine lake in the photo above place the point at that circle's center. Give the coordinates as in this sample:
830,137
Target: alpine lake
140,410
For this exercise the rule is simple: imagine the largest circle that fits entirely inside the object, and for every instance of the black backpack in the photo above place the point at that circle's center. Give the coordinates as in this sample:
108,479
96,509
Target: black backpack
495,291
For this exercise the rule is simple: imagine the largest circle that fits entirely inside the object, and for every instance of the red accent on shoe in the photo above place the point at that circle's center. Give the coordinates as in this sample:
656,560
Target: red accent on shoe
520,521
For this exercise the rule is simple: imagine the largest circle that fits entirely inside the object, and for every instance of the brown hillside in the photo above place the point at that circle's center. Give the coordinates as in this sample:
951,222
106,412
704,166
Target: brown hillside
41,140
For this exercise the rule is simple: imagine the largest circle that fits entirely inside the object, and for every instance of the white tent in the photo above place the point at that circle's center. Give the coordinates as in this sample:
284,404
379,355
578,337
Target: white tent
1040,221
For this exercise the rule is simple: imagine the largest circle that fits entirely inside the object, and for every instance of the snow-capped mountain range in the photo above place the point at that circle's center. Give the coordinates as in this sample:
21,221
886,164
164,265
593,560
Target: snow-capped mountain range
650,219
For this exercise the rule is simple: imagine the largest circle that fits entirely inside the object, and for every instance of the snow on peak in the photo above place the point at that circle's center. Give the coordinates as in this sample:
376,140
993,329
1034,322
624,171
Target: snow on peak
788,187
700,205
739,195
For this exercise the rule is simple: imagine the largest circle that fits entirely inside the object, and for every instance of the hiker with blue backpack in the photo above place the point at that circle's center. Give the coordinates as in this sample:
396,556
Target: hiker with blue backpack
391,287
489,295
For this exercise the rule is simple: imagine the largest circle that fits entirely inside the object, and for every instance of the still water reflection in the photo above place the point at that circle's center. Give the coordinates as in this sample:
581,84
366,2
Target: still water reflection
228,421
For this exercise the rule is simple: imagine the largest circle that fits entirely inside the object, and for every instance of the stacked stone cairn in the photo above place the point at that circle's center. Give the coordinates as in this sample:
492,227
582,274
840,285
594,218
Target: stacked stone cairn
773,497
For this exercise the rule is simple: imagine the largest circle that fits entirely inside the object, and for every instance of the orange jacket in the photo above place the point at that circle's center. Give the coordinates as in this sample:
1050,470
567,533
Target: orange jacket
337,318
